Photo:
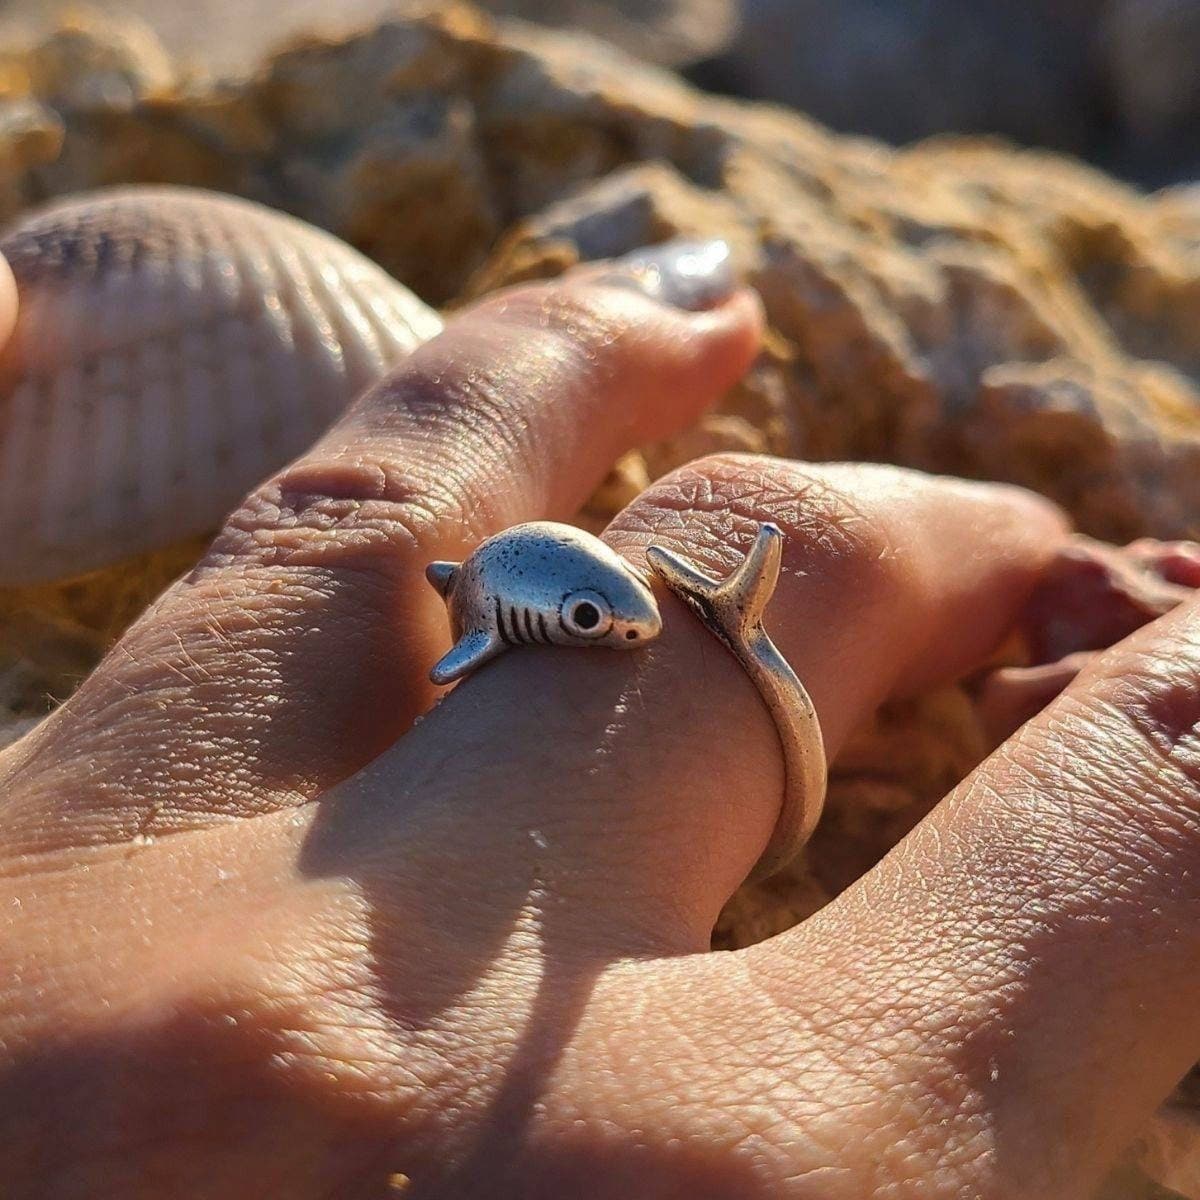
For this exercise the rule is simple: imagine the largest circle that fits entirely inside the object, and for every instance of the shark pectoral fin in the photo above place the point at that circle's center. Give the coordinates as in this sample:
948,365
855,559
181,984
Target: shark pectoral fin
441,576
470,651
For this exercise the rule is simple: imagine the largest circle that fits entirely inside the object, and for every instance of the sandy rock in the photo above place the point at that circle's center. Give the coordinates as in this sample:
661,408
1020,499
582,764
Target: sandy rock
408,184
89,62
911,67
671,32
30,134
1014,317
228,37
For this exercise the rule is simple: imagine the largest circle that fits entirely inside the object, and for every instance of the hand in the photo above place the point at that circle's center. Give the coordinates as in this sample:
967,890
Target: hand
267,936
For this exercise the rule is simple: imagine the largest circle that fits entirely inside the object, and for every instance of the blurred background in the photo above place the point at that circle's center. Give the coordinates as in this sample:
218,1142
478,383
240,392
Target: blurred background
1116,82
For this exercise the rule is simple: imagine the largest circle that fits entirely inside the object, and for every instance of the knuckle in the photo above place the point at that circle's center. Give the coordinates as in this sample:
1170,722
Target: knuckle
1121,746
1153,692
466,386
474,390
333,511
712,507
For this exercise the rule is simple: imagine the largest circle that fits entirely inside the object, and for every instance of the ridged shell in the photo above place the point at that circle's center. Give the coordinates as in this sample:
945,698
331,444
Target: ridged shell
172,348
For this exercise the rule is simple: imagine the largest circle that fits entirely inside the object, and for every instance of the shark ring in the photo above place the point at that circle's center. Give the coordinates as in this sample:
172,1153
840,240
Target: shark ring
556,585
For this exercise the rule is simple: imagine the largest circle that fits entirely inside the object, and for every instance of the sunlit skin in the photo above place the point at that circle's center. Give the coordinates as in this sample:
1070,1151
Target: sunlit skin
264,936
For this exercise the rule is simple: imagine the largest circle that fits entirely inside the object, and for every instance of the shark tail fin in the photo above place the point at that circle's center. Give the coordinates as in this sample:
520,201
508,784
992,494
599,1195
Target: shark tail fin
754,581
745,593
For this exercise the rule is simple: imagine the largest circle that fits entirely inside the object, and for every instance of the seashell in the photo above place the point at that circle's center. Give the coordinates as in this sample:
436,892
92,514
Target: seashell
172,347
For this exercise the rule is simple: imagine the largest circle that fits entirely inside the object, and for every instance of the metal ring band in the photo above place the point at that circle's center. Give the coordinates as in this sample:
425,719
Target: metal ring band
732,609
553,584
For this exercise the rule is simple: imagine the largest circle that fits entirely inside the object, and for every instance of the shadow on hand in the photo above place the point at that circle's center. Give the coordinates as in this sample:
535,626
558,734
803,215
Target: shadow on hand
463,910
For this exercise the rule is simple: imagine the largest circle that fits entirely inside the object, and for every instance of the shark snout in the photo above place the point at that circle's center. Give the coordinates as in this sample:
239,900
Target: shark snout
641,623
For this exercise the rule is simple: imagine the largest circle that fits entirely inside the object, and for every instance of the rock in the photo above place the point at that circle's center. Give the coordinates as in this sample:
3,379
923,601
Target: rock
91,63
1149,50
957,306
910,68
30,134
406,133
226,37
1112,80
984,313
671,32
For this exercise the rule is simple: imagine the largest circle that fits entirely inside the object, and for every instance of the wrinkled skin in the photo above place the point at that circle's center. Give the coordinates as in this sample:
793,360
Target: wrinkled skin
268,937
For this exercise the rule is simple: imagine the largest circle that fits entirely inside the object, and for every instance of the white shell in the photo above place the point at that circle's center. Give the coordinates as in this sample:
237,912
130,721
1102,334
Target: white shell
172,348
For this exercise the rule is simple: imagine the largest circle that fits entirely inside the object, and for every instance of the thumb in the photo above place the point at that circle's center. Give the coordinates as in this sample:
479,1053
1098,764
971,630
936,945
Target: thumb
8,300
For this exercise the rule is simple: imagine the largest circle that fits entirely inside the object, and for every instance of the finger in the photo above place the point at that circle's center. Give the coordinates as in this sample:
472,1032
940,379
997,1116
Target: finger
1093,594
1090,597
638,789
1039,945
1173,562
1009,696
8,301
298,648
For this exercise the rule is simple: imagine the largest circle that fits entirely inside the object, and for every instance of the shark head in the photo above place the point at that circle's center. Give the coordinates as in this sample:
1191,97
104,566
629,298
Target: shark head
541,583
616,610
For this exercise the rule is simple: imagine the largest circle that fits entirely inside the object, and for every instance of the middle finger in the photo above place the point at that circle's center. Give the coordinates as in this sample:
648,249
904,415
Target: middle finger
645,785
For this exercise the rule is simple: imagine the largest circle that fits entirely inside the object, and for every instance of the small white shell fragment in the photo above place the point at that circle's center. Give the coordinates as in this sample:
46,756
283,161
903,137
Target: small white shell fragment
172,348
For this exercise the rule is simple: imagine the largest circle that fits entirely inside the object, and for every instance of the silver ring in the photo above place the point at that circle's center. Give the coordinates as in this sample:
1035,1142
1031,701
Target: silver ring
553,584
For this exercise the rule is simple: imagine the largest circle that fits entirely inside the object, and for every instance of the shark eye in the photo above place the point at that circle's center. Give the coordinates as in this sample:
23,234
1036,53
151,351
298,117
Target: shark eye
586,614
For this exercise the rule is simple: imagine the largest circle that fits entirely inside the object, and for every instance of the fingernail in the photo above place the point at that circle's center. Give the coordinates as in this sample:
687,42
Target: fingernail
689,275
